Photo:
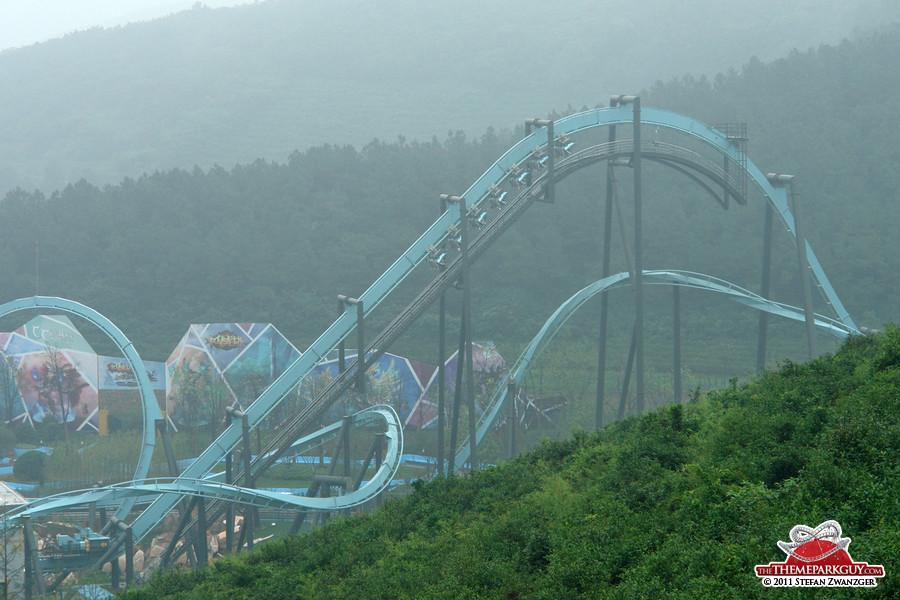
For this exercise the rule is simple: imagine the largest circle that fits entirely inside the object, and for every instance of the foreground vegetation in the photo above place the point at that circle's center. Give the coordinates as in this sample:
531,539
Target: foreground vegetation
679,503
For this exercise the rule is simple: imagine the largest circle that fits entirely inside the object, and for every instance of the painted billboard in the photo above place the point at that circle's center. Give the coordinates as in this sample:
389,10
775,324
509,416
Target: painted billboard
409,386
392,380
216,364
488,369
117,374
55,372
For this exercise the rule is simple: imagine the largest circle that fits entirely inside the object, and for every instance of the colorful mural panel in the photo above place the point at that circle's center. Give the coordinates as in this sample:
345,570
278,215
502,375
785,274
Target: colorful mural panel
55,372
488,368
216,364
392,380
409,386
116,374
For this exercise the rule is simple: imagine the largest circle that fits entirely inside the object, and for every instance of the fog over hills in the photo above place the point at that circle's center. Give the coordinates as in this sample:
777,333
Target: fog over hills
225,86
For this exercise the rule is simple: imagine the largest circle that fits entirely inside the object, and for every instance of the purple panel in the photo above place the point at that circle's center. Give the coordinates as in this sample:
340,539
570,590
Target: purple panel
424,372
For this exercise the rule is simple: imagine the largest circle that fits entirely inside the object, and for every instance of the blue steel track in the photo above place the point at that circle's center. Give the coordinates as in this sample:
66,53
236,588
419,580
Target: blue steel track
686,279
113,496
196,478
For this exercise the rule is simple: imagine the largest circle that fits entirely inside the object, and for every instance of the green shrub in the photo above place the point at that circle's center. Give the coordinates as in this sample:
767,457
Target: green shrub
7,440
30,467
51,432
25,434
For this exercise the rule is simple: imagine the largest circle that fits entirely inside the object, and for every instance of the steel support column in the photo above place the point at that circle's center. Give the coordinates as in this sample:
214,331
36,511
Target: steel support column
92,512
129,552
162,428
638,260
378,459
247,528
187,507
802,256
457,397
442,350
201,548
765,288
676,342
467,318
339,445
604,273
300,517
347,420
805,283
342,347
33,575
623,399
465,342
511,393
129,558
360,341
339,448
365,466
115,574
229,508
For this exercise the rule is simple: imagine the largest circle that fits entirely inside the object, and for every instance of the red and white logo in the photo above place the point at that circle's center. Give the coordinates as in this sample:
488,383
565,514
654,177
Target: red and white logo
818,558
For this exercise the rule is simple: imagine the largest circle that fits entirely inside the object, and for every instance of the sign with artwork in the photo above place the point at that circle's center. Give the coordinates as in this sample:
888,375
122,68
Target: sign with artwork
55,371
117,374
392,380
409,386
216,364
488,369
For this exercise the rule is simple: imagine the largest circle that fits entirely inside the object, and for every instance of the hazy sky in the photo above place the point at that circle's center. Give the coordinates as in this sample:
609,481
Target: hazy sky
25,22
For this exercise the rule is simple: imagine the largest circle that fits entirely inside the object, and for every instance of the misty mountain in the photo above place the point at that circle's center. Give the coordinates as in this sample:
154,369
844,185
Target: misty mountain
275,241
231,85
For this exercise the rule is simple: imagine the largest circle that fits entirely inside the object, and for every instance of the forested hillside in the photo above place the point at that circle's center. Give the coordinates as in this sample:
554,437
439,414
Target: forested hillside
264,79
680,503
270,241
829,117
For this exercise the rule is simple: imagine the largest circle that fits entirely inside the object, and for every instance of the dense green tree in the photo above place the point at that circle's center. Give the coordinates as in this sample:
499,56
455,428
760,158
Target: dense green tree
10,398
30,467
7,440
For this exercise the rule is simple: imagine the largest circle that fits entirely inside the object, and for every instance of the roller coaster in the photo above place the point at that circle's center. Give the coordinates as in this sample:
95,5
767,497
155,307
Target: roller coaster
712,157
